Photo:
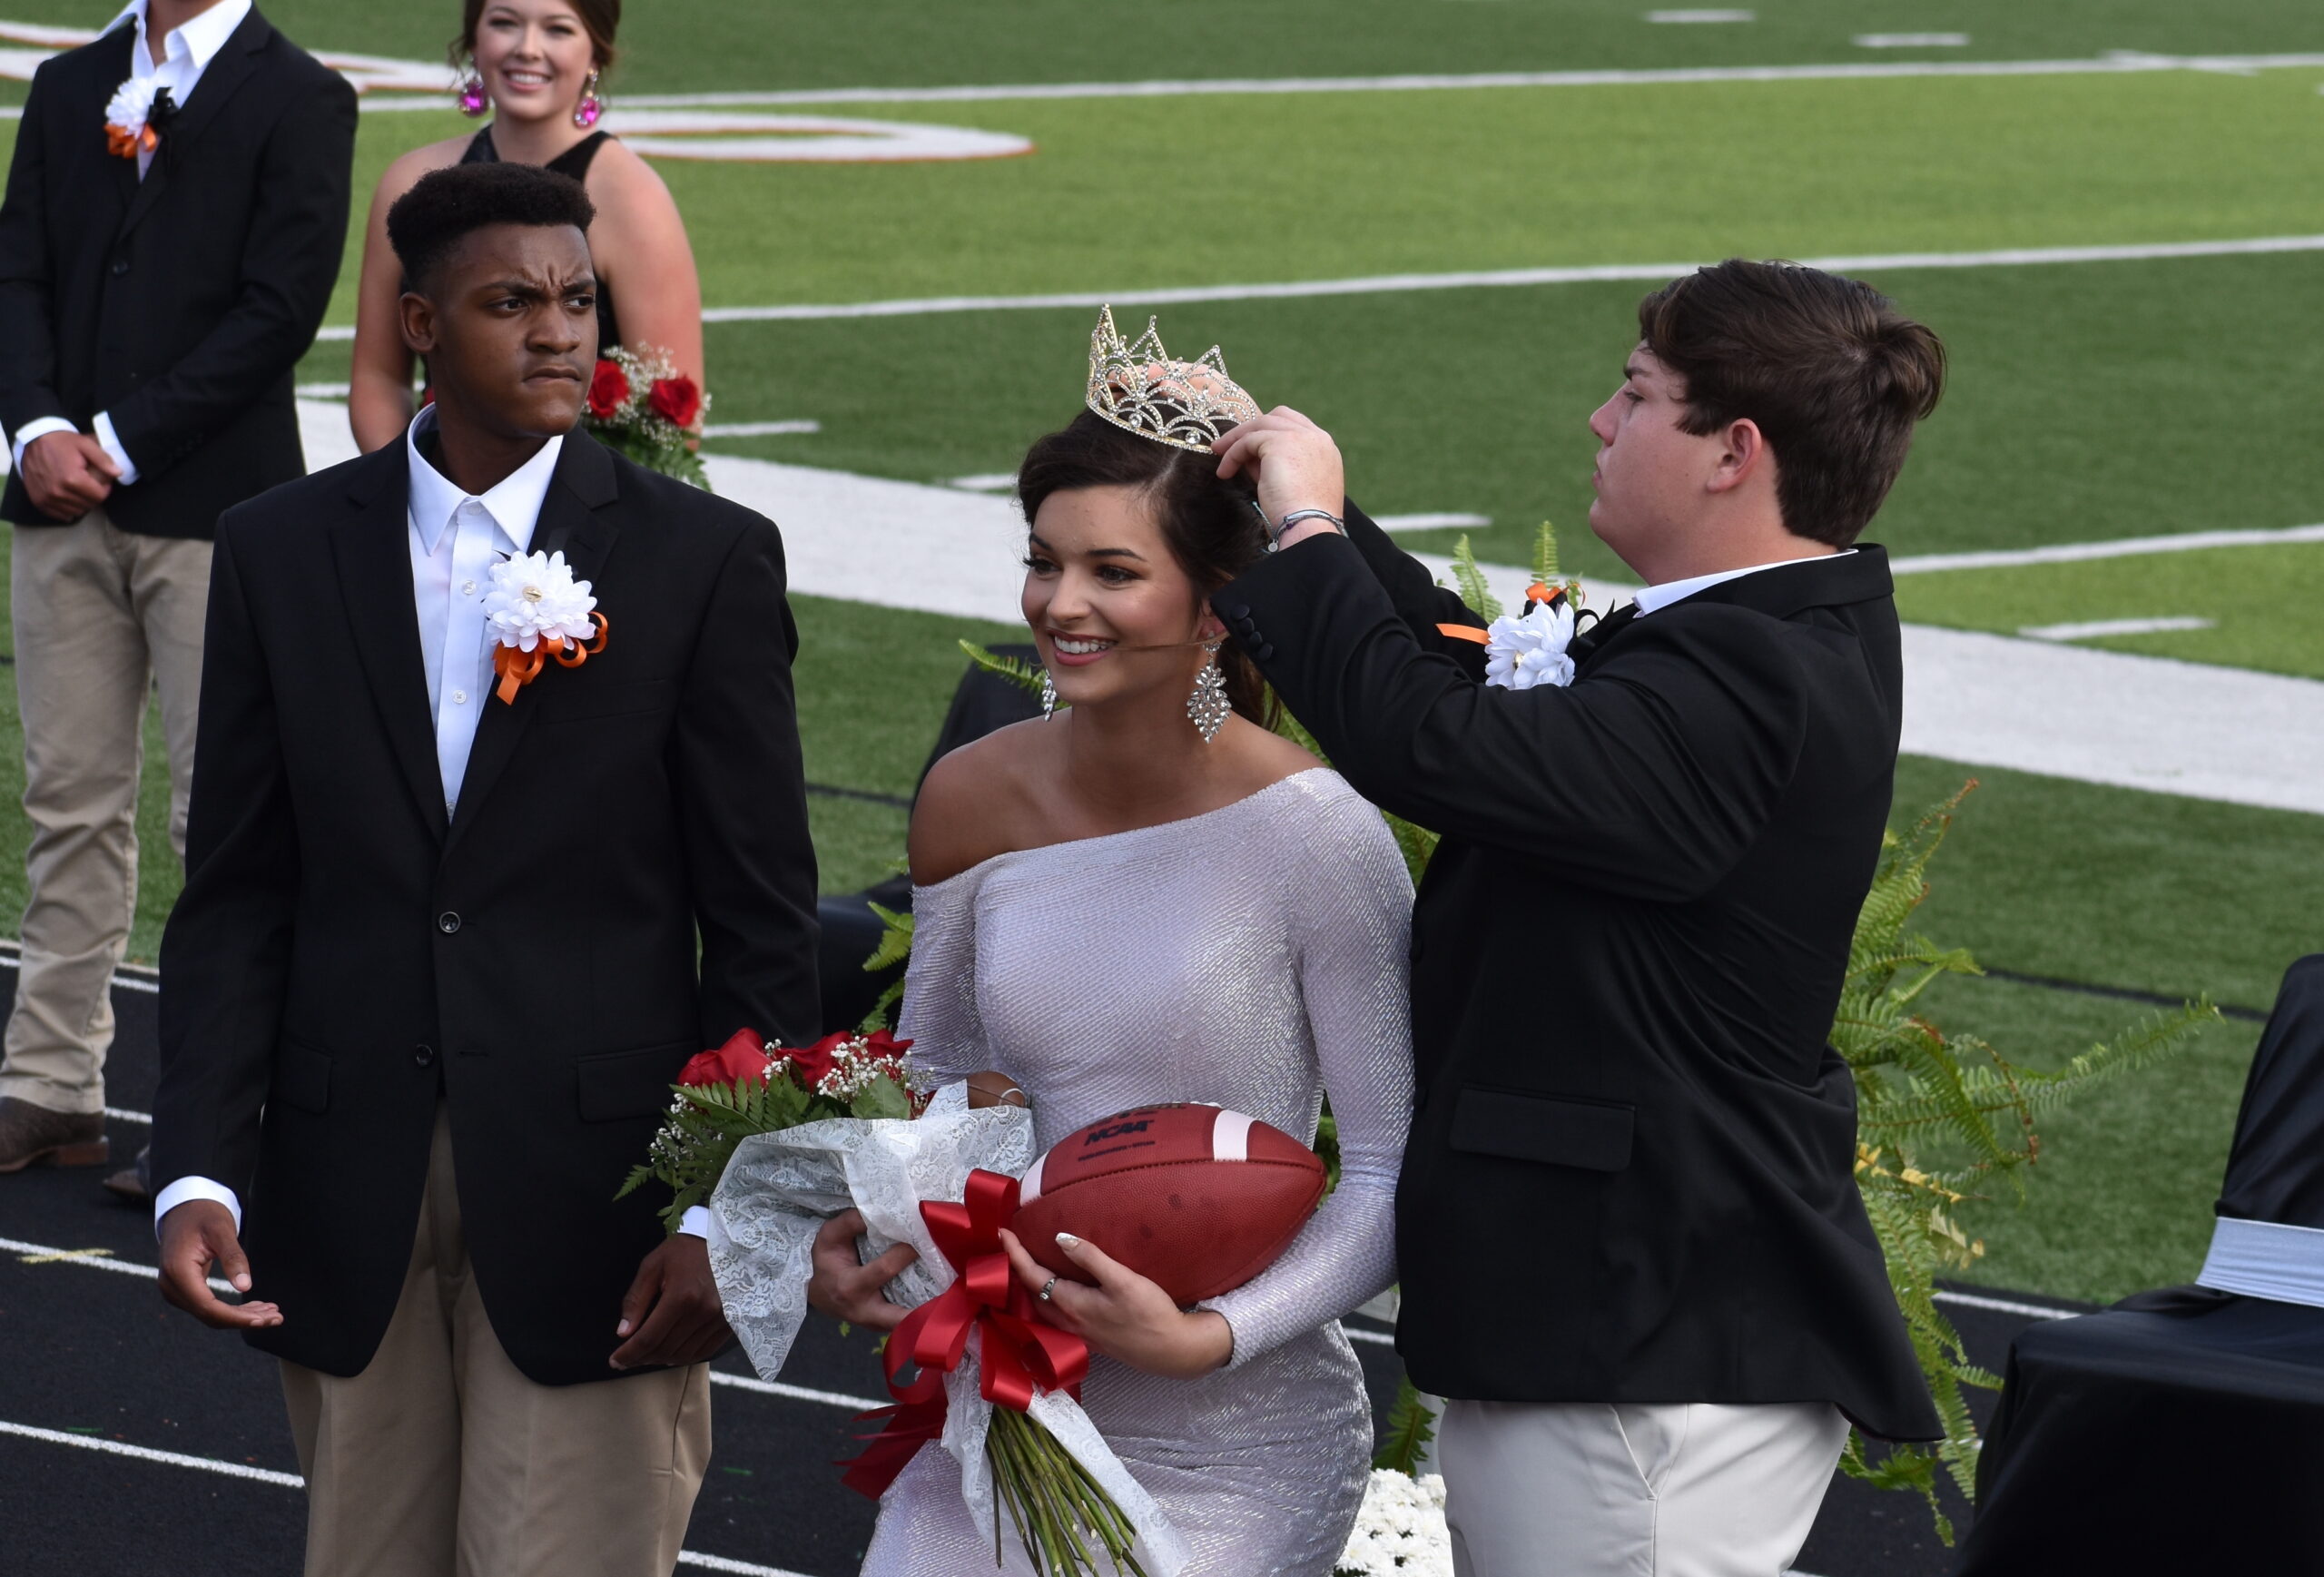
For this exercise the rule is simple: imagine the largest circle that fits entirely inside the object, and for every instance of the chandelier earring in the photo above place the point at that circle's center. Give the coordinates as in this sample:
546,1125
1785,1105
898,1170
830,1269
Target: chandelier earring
585,113
469,91
1049,696
1207,708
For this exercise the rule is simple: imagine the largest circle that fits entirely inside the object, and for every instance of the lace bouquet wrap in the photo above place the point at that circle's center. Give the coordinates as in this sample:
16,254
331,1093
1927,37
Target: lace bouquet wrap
942,1182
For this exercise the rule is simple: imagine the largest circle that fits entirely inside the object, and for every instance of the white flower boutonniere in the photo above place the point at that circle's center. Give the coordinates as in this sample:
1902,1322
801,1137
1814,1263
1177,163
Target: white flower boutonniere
129,130
1523,651
536,611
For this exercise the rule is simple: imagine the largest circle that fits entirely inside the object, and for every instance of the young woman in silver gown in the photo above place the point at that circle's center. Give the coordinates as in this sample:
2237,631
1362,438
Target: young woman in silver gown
1116,910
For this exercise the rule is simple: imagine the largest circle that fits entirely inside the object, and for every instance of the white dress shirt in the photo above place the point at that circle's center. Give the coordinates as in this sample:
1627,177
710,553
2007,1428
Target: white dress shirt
454,538
1654,596
186,53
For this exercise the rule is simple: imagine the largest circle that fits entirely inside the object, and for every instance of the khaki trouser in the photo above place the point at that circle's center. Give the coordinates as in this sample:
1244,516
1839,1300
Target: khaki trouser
1672,1489
442,1459
101,615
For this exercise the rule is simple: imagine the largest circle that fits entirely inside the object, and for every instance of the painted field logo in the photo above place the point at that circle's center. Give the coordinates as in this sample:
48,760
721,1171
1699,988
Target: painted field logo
672,126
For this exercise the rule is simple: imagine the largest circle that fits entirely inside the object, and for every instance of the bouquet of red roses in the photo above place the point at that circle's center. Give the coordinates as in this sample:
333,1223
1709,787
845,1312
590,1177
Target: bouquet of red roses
640,405
752,1086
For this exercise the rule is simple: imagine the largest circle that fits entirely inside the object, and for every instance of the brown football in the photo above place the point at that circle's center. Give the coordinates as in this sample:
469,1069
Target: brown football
1198,1199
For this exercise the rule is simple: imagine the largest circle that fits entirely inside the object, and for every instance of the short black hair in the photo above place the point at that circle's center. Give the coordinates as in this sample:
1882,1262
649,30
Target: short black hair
445,205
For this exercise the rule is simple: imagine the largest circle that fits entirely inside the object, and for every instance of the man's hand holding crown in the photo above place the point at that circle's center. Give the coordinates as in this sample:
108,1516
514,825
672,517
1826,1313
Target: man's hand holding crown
1295,464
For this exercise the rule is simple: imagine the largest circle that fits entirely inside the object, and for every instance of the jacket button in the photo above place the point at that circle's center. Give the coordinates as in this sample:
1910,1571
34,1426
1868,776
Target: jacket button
1238,610
120,266
423,1056
447,922
1265,653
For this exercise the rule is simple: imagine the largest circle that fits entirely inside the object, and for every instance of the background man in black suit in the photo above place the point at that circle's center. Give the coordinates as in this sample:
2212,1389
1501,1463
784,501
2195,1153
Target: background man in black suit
1632,1246
449,941
153,302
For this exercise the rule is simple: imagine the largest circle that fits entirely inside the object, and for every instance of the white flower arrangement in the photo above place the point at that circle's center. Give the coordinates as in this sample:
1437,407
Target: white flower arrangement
127,115
1399,1532
1523,651
535,598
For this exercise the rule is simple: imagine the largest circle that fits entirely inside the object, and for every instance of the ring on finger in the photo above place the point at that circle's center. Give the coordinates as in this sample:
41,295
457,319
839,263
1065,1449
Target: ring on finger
1046,1287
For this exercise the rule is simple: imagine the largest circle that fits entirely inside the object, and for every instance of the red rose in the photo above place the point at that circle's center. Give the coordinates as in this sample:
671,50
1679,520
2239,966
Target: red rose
676,399
743,1060
608,391
814,1062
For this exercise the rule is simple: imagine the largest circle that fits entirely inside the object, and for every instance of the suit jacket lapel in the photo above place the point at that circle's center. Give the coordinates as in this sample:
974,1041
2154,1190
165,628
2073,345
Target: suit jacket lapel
574,521
226,71
372,546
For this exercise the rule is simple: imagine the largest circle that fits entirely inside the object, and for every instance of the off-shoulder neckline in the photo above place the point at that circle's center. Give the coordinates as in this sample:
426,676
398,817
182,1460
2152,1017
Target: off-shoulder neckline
1249,799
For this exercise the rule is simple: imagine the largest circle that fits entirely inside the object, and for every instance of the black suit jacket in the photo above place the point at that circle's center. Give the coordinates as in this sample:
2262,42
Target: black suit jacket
1631,1173
178,305
343,958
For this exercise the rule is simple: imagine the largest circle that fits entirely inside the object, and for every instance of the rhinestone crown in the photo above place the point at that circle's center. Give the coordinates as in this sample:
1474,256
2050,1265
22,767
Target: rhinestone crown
1140,389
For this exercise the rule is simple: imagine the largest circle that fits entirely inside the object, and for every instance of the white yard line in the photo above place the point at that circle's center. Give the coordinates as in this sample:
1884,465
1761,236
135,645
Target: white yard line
2095,629
2112,64
147,1453
2032,1311
2119,547
94,1258
268,1476
1473,280
142,982
795,1393
1491,279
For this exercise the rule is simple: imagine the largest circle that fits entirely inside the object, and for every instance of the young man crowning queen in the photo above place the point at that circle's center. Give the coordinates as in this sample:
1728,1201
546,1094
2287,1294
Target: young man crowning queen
1632,1251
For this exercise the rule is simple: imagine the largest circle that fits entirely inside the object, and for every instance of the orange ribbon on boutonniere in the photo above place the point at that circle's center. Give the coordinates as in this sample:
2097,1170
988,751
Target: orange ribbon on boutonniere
518,667
536,611
1018,1357
133,117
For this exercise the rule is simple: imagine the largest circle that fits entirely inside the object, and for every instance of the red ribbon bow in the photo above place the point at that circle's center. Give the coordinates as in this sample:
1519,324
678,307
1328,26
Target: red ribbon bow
1020,1357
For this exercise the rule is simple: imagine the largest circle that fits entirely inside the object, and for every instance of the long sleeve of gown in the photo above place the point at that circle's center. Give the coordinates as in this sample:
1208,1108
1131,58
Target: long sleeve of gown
940,1011
1351,921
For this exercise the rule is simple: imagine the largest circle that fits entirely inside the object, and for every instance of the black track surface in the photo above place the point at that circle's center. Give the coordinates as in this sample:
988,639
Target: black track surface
95,1353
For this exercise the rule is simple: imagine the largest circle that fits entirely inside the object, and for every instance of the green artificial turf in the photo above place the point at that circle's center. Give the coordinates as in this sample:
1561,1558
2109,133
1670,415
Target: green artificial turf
2120,1199
1157,193
2262,602
740,44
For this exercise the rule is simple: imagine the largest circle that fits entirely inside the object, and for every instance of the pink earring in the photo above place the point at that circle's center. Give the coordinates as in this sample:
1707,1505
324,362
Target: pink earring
470,94
585,113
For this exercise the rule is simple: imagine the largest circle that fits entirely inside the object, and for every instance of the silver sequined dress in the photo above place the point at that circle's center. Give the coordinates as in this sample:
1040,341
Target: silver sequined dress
1252,957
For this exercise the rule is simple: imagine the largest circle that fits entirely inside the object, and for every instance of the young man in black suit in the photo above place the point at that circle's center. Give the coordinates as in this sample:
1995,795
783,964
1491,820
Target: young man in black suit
159,278
457,940
1633,1250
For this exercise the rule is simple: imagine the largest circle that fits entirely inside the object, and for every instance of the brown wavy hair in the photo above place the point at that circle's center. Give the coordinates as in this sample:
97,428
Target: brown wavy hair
600,19
1211,527
1832,372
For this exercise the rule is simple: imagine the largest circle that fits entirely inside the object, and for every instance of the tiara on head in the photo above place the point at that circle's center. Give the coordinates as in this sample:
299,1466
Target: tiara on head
1138,388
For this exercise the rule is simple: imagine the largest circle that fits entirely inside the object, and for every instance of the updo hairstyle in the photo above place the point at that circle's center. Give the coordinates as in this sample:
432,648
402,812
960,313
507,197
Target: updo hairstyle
1212,526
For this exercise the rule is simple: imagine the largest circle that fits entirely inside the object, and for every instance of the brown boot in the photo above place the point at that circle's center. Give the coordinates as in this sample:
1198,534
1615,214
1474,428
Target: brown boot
32,1135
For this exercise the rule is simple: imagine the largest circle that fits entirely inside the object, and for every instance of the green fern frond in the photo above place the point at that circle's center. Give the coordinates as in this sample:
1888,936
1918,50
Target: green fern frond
895,939
1471,582
1545,555
1411,1427
1011,668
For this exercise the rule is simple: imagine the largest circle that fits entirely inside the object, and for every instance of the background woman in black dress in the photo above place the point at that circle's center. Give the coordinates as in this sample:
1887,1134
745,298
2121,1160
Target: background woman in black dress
537,61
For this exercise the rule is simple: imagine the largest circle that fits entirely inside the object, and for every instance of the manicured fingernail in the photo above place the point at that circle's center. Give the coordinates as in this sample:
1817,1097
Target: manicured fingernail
1067,1240
243,1283
622,1329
